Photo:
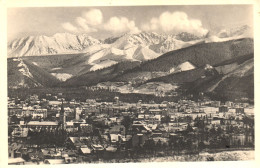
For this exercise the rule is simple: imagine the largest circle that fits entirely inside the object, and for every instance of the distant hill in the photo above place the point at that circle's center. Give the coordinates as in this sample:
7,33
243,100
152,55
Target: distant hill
102,75
199,55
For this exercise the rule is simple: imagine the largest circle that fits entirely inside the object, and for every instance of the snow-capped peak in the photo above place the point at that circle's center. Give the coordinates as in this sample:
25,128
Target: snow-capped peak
45,45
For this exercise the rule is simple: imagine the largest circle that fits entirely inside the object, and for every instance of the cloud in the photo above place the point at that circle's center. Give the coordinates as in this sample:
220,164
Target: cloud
84,26
68,26
85,23
175,22
93,17
120,25
92,21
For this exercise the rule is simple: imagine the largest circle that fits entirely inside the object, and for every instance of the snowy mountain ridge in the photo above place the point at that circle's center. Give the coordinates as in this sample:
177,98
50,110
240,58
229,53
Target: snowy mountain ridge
61,43
44,45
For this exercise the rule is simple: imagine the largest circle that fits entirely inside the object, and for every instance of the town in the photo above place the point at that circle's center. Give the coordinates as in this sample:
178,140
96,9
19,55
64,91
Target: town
54,130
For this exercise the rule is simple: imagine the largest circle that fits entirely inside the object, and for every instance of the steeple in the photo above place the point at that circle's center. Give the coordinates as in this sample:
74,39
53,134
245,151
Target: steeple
62,115
62,108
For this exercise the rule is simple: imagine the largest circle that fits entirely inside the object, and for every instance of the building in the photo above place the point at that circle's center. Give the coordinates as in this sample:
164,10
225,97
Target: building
240,111
42,113
14,111
36,125
223,109
62,118
16,161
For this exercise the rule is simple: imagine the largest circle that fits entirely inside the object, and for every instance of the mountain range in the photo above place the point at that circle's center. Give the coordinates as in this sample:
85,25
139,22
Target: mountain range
136,63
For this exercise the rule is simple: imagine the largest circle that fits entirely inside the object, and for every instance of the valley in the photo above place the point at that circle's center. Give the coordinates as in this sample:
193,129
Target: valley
144,63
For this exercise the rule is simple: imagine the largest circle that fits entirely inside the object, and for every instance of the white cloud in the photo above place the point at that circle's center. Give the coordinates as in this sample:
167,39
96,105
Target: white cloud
93,17
175,22
68,26
92,21
84,26
120,25
86,23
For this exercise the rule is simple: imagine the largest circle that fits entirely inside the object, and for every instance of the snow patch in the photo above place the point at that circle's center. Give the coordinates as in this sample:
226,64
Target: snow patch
144,53
15,59
208,67
102,65
62,76
20,65
212,39
24,69
34,63
186,66
56,68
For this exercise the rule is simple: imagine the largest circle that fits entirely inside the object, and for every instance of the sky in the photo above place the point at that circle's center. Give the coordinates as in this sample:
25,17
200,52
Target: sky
102,22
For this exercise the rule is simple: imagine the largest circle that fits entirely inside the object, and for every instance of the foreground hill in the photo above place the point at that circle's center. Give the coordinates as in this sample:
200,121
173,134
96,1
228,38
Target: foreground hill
231,79
23,74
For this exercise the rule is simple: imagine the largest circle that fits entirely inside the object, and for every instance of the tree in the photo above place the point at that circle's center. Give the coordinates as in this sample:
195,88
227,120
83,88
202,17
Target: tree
15,119
224,143
219,131
188,145
189,128
201,145
166,119
212,131
127,122
27,118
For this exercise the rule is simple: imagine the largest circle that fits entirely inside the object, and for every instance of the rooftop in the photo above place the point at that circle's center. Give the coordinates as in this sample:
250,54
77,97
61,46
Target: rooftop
42,123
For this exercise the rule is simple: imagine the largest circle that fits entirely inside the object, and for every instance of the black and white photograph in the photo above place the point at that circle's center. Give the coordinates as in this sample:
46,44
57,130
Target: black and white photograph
130,84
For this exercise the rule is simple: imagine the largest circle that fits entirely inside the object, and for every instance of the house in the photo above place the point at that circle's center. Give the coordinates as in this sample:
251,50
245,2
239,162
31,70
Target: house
155,111
87,128
223,109
54,161
111,149
140,127
42,113
16,161
117,129
229,103
35,125
240,110
70,127
97,148
20,132
114,138
14,111
86,151
79,142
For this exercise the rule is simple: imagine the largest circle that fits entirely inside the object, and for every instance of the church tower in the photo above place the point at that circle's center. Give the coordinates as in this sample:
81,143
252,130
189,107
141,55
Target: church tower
62,119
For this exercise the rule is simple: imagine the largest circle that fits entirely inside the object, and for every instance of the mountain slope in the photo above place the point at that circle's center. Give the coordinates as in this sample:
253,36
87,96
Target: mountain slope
245,31
102,75
24,74
44,45
181,66
236,81
199,55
